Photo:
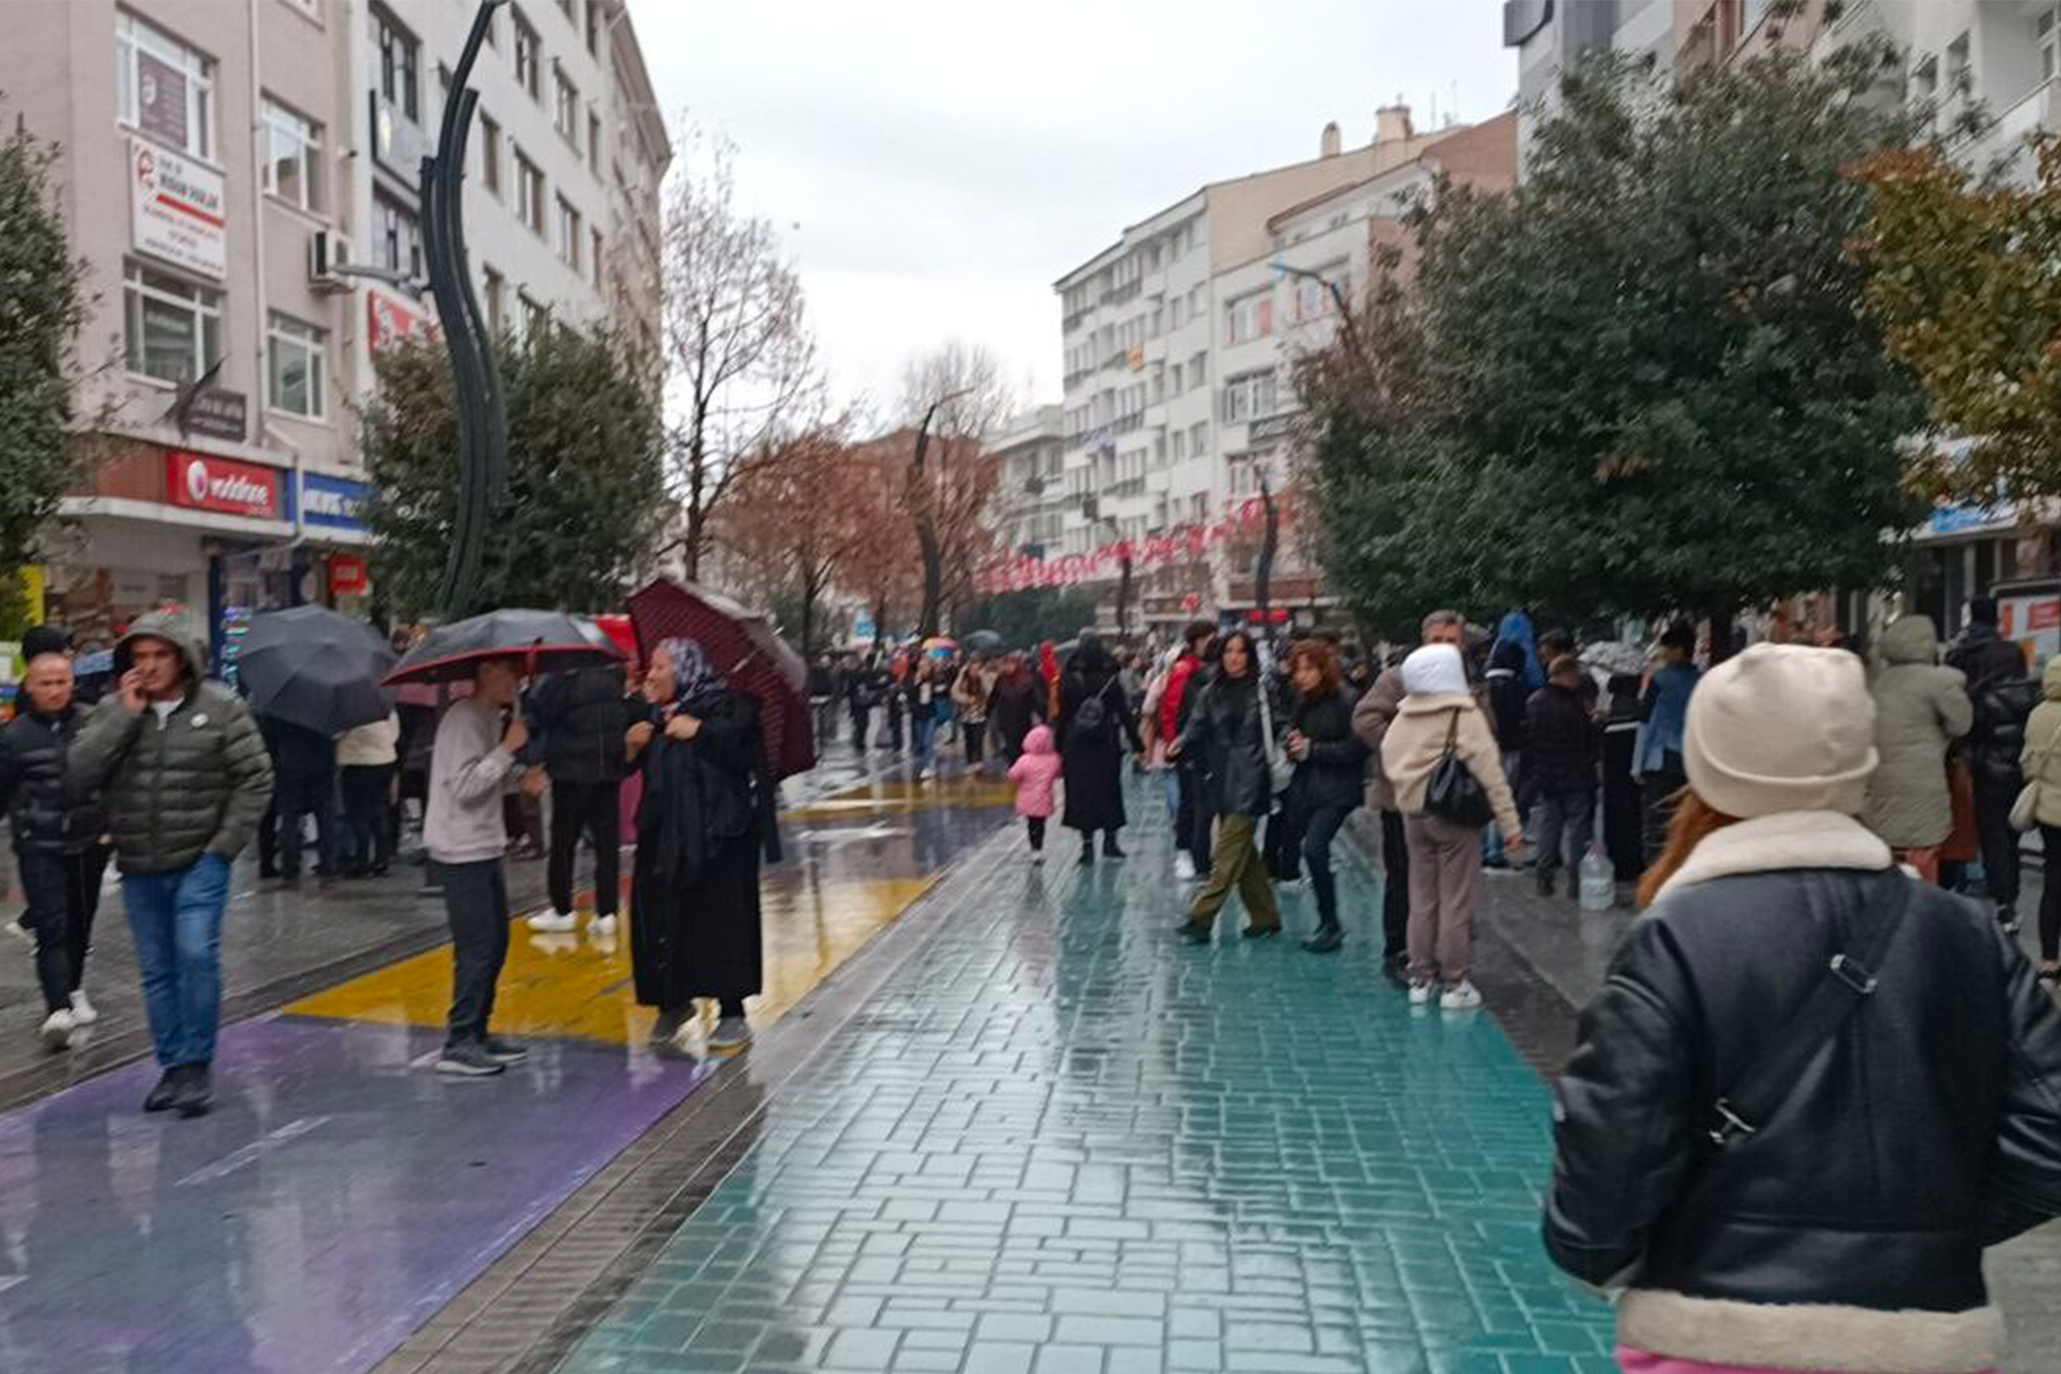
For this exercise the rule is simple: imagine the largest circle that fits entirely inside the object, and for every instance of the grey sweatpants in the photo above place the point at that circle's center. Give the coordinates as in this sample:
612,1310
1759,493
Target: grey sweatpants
1445,890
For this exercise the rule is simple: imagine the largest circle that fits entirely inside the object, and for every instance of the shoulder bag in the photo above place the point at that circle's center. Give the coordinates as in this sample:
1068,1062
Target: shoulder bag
1455,794
1280,768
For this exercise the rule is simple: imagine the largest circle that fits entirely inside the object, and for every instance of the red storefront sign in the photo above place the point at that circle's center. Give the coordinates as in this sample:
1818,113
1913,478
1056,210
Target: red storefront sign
348,575
392,323
200,481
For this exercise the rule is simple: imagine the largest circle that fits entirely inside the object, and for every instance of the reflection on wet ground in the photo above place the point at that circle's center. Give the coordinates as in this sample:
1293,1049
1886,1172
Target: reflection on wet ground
340,1194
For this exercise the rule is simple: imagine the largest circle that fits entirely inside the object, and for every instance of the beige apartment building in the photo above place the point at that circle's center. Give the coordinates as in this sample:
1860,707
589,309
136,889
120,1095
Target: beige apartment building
240,177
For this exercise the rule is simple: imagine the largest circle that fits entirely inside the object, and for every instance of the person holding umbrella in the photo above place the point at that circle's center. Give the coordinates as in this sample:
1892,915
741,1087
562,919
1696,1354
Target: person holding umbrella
706,816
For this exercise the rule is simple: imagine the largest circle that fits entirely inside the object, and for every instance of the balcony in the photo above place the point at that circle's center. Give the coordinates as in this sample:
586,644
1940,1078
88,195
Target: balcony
2005,136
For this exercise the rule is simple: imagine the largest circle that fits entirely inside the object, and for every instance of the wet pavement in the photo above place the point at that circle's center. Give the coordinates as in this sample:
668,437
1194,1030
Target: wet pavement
341,1194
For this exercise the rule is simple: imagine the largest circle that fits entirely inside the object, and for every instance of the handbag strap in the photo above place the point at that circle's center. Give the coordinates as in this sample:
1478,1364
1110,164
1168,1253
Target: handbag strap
1848,981
1259,686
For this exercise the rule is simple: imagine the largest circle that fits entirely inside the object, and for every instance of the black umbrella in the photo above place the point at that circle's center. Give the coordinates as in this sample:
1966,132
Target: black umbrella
546,640
315,668
983,641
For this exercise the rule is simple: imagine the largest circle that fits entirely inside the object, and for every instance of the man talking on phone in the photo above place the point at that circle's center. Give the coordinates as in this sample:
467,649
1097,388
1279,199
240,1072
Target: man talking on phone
186,779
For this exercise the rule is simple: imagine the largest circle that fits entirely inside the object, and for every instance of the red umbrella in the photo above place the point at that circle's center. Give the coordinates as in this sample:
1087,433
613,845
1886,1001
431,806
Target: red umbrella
743,646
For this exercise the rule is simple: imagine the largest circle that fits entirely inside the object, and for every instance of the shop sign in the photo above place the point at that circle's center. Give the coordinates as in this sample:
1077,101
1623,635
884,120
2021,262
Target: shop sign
348,575
201,481
218,414
176,210
394,324
332,502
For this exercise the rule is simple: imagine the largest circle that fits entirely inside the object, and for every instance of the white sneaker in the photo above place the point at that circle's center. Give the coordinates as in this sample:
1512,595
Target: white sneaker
57,1030
602,928
1462,996
733,1033
1420,991
1184,866
553,924
83,1013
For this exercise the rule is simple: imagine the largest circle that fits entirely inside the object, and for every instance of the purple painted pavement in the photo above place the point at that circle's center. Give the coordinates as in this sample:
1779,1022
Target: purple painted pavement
334,1200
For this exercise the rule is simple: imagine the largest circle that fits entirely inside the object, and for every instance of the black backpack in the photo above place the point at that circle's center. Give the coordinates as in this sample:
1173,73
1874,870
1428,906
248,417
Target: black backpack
1090,717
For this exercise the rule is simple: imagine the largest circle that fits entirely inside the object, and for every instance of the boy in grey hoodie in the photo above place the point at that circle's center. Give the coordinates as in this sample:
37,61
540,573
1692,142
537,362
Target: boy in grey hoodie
463,831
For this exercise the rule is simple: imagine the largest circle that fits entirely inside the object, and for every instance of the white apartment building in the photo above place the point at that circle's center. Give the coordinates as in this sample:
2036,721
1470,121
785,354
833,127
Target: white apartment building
1031,498
1179,339
225,169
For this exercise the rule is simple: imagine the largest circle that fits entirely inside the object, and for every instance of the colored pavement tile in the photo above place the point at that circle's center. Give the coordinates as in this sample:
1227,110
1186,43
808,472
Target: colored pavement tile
1059,1139
340,1194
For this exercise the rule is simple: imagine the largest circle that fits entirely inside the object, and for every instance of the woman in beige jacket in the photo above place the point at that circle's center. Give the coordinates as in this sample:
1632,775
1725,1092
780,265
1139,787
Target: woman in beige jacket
1445,857
2041,764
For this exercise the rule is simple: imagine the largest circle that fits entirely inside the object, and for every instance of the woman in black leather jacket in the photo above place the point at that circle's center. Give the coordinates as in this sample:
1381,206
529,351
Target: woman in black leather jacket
1223,732
1814,1194
1330,774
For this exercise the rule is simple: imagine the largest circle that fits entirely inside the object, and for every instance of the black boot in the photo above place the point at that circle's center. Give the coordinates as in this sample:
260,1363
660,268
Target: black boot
1110,849
166,1093
1326,941
197,1093
1088,852
1546,876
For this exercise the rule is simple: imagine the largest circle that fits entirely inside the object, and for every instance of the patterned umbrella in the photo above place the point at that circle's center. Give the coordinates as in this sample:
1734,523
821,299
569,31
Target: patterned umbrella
743,647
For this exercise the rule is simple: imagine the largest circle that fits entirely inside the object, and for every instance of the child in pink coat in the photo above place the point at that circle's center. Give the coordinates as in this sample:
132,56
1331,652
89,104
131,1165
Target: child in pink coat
1034,774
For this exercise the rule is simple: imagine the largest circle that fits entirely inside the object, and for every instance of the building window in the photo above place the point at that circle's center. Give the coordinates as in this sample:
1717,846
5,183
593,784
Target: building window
397,56
1251,317
399,236
529,194
293,156
490,155
170,330
568,234
535,318
1180,446
1198,439
1249,397
497,301
2048,28
567,118
593,28
1198,370
594,142
529,57
166,89
298,375
594,259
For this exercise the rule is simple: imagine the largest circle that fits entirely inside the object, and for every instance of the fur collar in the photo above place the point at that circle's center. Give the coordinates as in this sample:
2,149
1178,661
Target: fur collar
1788,839
1856,1340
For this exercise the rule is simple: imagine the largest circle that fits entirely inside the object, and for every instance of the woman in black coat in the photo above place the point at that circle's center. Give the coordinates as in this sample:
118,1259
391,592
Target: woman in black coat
1095,722
1016,704
706,814
1330,774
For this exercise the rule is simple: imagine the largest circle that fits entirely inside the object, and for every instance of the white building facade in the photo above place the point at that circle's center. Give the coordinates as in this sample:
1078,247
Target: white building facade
228,171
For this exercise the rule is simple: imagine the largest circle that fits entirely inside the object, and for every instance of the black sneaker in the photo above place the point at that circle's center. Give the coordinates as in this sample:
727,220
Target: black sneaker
196,1093
1326,941
1087,856
167,1090
1259,932
1196,933
1545,882
2007,917
504,1051
469,1059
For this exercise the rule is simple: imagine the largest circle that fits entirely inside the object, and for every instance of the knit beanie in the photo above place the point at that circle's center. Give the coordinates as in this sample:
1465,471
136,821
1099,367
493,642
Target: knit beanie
1782,727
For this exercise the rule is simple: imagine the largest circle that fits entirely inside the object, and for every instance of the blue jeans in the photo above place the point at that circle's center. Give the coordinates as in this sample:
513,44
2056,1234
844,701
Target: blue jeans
926,741
177,922
1170,778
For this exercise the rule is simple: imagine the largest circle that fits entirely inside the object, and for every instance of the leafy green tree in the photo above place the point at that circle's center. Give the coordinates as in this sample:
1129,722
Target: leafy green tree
41,310
586,476
1641,382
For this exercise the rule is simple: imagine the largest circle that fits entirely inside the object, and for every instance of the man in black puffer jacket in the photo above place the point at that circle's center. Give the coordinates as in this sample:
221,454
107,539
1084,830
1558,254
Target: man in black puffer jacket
579,722
59,841
2004,695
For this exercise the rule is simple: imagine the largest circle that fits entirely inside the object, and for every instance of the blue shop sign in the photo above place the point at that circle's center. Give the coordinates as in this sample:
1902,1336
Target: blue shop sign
1959,519
333,502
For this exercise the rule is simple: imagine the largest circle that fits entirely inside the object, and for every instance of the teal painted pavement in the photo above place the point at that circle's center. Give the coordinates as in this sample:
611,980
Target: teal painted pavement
1060,1142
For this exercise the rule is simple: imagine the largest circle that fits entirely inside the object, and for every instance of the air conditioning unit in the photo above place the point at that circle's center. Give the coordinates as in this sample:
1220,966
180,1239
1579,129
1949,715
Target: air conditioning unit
328,251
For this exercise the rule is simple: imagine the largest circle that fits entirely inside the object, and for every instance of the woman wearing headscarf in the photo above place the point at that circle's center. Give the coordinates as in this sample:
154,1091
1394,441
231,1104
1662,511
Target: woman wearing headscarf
1095,722
706,814
1812,1090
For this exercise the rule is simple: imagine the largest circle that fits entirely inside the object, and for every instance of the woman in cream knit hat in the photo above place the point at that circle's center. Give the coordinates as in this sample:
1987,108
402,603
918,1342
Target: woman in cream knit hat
1905,1107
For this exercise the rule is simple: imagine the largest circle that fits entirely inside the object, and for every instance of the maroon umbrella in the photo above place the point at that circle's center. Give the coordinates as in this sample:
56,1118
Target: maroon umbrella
743,646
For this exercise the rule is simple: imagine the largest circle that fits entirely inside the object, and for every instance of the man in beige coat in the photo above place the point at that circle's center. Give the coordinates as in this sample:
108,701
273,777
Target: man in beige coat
1371,719
1921,708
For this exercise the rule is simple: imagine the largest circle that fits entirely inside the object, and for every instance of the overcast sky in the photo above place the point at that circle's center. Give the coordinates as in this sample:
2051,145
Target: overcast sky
933,166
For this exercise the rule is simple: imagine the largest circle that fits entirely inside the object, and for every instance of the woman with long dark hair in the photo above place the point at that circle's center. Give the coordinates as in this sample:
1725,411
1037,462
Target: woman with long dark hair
706,815
1095,723
1015,705
1330,774
1813,1090
1225,732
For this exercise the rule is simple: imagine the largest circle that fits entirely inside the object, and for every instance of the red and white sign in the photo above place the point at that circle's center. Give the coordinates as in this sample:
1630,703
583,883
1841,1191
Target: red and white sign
348,575
200,481
176,210
1183,544
394,324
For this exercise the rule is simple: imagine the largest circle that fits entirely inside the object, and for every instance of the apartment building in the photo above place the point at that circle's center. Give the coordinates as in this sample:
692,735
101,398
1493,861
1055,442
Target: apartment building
1031,498
241,179
1179,339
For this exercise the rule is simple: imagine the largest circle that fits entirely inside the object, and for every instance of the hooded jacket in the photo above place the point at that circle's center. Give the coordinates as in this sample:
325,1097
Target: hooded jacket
1442,710
2041,757
195,782
1920,709
1847,1233
1035,772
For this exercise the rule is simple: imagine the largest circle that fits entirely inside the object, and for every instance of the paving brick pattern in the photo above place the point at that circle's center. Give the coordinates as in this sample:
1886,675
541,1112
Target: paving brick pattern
1056,1141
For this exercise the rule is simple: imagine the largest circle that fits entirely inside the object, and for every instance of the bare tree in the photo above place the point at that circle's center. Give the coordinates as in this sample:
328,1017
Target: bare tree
955,398
743,363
